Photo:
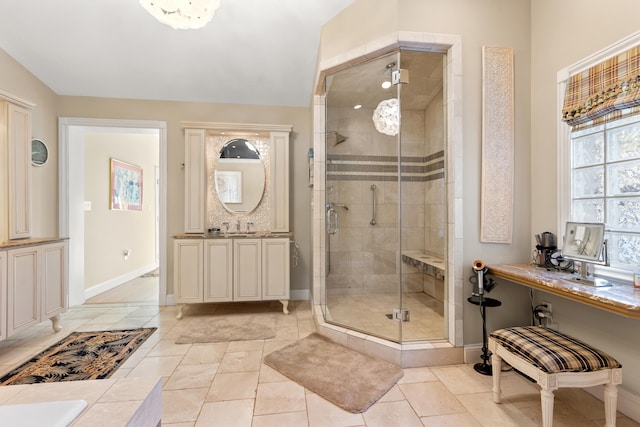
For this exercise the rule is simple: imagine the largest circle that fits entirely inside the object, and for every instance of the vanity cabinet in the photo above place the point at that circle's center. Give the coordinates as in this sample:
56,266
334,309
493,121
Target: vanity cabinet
218,270
195,189
3,295
199,179
188,270
36,285
15,135
228,269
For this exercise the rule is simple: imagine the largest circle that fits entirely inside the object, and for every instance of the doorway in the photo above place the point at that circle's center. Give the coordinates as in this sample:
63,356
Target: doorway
72,207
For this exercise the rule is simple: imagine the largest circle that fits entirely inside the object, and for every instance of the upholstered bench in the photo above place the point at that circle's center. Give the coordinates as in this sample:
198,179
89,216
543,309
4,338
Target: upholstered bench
554,360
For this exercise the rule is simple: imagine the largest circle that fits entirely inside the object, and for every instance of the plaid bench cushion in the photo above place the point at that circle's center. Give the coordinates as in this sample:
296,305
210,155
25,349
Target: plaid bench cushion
552,351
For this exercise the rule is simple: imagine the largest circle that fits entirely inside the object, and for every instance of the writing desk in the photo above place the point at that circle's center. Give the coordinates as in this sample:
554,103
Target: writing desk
622,299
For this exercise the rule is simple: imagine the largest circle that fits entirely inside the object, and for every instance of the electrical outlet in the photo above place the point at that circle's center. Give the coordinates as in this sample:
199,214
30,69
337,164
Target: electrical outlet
548,305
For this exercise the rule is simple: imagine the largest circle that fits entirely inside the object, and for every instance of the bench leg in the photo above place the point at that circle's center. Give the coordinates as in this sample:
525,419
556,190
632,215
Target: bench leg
546,398
496,370
610,404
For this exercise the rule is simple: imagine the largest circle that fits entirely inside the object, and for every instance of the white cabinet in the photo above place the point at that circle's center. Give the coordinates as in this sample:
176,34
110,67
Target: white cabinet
275,269
3,295
188,270
218,270
241,269
19,132
37,285
247,269
195,190
23,289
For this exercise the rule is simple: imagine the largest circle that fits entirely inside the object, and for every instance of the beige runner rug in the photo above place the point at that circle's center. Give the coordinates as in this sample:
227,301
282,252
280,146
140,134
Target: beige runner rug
233,327
348,379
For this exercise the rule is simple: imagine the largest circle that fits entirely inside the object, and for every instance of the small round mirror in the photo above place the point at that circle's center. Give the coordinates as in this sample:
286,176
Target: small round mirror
239,176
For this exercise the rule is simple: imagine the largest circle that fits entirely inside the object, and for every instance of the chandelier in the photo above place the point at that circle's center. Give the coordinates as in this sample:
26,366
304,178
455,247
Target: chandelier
386,117
182,14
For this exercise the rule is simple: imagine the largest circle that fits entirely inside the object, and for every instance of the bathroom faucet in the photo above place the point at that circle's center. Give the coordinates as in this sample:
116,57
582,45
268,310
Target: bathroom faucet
226,227
238,226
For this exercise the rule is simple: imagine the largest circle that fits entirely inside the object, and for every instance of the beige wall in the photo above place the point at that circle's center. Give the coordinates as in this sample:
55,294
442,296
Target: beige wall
109,232
173,113
563,33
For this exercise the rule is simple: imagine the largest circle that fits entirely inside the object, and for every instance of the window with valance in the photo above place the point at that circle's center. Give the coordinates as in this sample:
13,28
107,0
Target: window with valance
604,92
602,106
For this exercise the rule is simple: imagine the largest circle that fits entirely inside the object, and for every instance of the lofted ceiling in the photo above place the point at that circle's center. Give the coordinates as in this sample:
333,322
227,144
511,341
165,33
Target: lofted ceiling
260,52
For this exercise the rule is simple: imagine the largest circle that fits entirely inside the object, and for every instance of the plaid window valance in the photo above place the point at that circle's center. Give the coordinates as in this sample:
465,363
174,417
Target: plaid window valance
604,92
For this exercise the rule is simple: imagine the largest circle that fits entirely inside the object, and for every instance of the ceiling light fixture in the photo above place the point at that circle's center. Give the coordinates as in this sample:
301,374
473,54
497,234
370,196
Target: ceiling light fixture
357,106
182,14
386,117
386,84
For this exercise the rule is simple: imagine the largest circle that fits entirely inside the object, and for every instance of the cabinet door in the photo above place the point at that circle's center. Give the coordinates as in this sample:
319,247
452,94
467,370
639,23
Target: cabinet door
19,133
194,181
3,295
218,270
187,270
275,269
247,275
23,296
53,274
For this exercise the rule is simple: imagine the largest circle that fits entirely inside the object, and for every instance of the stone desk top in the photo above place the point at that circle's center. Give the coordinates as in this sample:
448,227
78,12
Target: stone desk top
618,298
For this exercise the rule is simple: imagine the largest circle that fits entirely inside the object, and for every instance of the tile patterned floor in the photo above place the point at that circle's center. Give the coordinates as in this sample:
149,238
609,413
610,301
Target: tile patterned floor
226,384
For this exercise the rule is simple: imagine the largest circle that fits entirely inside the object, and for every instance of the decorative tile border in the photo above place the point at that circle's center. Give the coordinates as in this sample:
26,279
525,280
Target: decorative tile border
385,168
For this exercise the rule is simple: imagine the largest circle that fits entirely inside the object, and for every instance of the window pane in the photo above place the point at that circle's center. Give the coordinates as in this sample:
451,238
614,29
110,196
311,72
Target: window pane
624,250
588,150
623,179
589,210
588,182
623,143
624,214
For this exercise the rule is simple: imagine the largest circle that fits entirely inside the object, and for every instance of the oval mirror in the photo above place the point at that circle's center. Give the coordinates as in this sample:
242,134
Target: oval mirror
239,176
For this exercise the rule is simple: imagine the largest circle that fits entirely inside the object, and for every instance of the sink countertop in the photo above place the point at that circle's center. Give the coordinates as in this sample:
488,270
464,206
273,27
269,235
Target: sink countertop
230,235
10,244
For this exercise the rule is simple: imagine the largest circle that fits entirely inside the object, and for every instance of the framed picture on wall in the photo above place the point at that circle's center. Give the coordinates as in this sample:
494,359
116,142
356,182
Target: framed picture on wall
125,186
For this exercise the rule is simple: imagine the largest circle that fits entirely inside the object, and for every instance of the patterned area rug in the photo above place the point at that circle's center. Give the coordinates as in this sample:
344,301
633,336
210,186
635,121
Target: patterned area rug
80,356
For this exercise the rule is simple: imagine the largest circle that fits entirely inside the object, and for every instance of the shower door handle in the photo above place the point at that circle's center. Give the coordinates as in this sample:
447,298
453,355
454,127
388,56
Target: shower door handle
332,219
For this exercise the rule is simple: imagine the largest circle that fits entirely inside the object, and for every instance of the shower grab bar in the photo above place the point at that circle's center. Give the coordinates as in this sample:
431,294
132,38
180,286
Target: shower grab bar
373,191
331,213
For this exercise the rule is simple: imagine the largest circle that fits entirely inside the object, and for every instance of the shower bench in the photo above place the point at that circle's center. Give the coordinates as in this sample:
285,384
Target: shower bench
554,360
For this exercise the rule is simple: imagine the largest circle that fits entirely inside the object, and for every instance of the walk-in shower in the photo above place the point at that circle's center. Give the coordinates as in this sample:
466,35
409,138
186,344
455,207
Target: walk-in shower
385,198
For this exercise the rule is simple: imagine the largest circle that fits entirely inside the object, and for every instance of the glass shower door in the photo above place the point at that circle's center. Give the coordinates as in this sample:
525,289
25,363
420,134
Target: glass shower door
361,192
421,197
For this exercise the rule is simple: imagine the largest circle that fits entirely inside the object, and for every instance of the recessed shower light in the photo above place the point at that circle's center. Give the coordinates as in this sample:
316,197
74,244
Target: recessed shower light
357,106
386,84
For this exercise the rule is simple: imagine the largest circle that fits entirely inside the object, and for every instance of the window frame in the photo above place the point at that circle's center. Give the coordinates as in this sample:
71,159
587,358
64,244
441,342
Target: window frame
564,166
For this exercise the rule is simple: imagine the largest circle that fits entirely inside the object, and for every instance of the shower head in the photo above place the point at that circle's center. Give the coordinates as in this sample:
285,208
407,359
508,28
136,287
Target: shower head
338,137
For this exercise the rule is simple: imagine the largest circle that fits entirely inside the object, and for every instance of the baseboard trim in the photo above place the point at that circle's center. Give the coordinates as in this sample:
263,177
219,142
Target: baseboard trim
472,353
117,281
299,294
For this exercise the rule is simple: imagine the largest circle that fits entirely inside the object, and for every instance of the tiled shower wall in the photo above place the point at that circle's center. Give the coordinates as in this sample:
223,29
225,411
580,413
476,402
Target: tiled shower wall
364,257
